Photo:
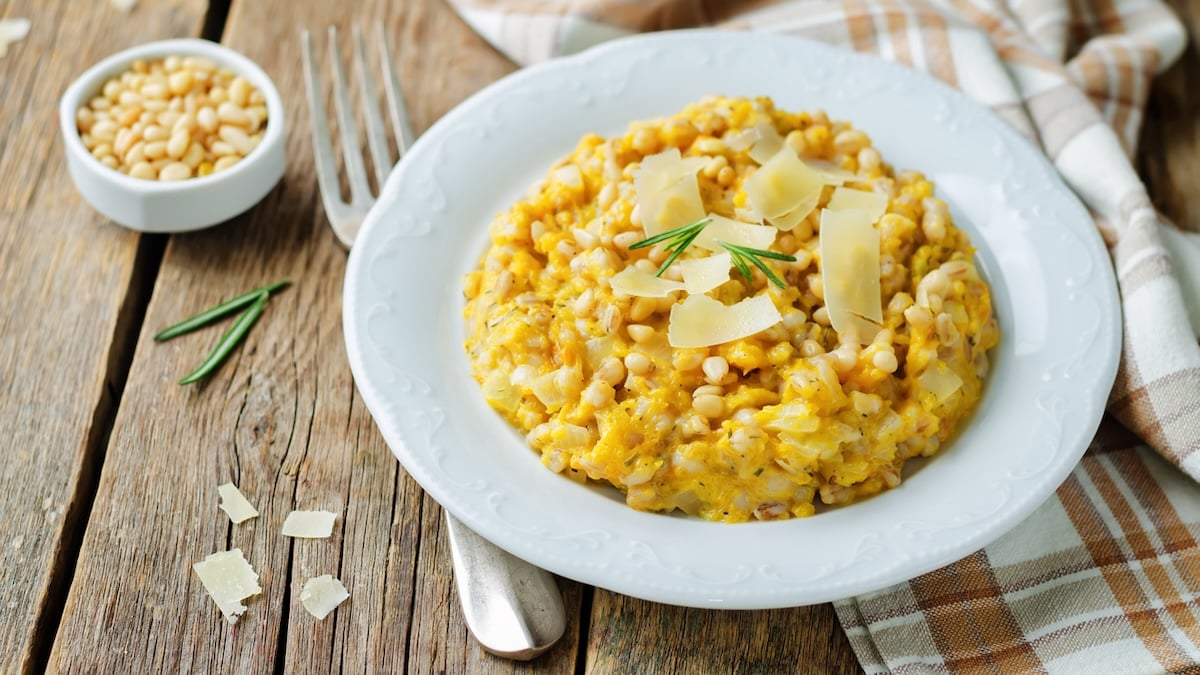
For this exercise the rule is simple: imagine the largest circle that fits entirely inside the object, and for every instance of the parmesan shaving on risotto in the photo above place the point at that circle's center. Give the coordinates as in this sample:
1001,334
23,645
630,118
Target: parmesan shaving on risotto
802,321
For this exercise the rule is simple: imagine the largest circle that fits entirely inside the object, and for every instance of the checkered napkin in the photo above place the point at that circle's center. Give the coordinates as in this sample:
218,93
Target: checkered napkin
1105,576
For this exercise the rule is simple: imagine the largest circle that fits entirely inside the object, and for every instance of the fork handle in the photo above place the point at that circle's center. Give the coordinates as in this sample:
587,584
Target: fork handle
512,608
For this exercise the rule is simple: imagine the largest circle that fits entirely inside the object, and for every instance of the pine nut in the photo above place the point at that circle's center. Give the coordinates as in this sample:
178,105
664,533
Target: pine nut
180,82
624,240
156,150
639,332
128,116
194,155
239,91
143,170
221,149
811,348
112,90
642,308
709,405
851,142
176,171
611,371
715,369
178,144
638,363
225,162
236,137
186,122
206,117
155,90
154,132
198,63
177,117
229,113
167,119
125,139
885,361
136,154
104,131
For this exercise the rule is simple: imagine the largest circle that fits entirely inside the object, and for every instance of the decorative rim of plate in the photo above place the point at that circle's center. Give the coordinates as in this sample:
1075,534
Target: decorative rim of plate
1055,296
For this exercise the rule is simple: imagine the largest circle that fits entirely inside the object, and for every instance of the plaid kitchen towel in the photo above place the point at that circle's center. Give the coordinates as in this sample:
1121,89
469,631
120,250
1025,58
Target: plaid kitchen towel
1105,577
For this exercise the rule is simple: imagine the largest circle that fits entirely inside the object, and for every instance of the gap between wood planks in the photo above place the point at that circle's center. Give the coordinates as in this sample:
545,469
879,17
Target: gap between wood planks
132,315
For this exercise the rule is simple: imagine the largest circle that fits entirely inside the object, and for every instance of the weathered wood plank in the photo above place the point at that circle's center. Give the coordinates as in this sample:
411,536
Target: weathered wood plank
630,635
72,289
281,420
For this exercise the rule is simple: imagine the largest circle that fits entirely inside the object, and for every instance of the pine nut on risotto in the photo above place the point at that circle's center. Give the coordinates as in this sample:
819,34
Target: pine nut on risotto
734,311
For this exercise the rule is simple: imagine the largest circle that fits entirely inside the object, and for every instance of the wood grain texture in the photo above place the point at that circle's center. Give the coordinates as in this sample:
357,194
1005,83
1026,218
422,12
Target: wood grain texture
1169,156
281,420
71,284
636,636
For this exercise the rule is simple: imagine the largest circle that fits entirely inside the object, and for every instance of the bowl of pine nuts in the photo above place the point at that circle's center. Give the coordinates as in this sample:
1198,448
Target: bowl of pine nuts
173,136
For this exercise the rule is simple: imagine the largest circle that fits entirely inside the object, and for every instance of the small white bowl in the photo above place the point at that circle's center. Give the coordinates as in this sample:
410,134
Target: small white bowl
173,206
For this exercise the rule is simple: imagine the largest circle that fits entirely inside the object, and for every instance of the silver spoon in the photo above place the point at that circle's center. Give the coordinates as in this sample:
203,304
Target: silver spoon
513,608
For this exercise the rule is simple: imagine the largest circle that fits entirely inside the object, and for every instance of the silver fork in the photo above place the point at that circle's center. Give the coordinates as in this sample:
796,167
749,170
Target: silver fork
512,608
346,218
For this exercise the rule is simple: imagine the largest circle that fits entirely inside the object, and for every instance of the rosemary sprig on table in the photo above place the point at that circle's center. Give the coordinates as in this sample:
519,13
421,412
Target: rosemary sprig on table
220,311
741,256
228,341
254,302
680,238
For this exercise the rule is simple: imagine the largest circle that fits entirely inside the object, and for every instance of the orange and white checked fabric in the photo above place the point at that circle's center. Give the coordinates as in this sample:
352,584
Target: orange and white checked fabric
1104,577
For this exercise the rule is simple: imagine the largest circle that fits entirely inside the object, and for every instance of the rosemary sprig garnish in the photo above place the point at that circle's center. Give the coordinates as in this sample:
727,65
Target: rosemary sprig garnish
225,308
230,340
680,238
740,255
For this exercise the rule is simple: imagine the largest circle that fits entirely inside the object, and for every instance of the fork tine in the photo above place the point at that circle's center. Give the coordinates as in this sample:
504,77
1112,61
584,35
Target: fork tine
326,165
381,157
401,125
360,190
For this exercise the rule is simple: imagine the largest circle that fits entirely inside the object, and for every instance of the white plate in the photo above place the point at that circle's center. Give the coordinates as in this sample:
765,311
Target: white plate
1052,284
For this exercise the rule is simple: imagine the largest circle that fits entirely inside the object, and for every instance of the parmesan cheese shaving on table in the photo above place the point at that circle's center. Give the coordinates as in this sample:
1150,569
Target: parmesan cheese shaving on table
228,578
321,595
309,524
12,30
234,504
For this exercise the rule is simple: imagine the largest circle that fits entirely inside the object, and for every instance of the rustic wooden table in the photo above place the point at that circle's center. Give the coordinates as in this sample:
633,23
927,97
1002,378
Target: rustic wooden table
110,469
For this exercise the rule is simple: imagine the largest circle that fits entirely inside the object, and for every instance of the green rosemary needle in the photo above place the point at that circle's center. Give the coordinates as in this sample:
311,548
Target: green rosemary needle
230,340
741,255
680,238
224,309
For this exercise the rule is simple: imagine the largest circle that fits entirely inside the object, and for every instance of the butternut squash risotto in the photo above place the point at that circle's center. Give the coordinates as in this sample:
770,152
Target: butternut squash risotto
733,311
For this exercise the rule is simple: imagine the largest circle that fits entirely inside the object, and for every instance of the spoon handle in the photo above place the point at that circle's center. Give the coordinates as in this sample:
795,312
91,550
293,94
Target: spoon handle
512,608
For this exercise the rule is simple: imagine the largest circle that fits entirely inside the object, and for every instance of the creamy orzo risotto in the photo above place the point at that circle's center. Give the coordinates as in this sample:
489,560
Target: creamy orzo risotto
700,389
